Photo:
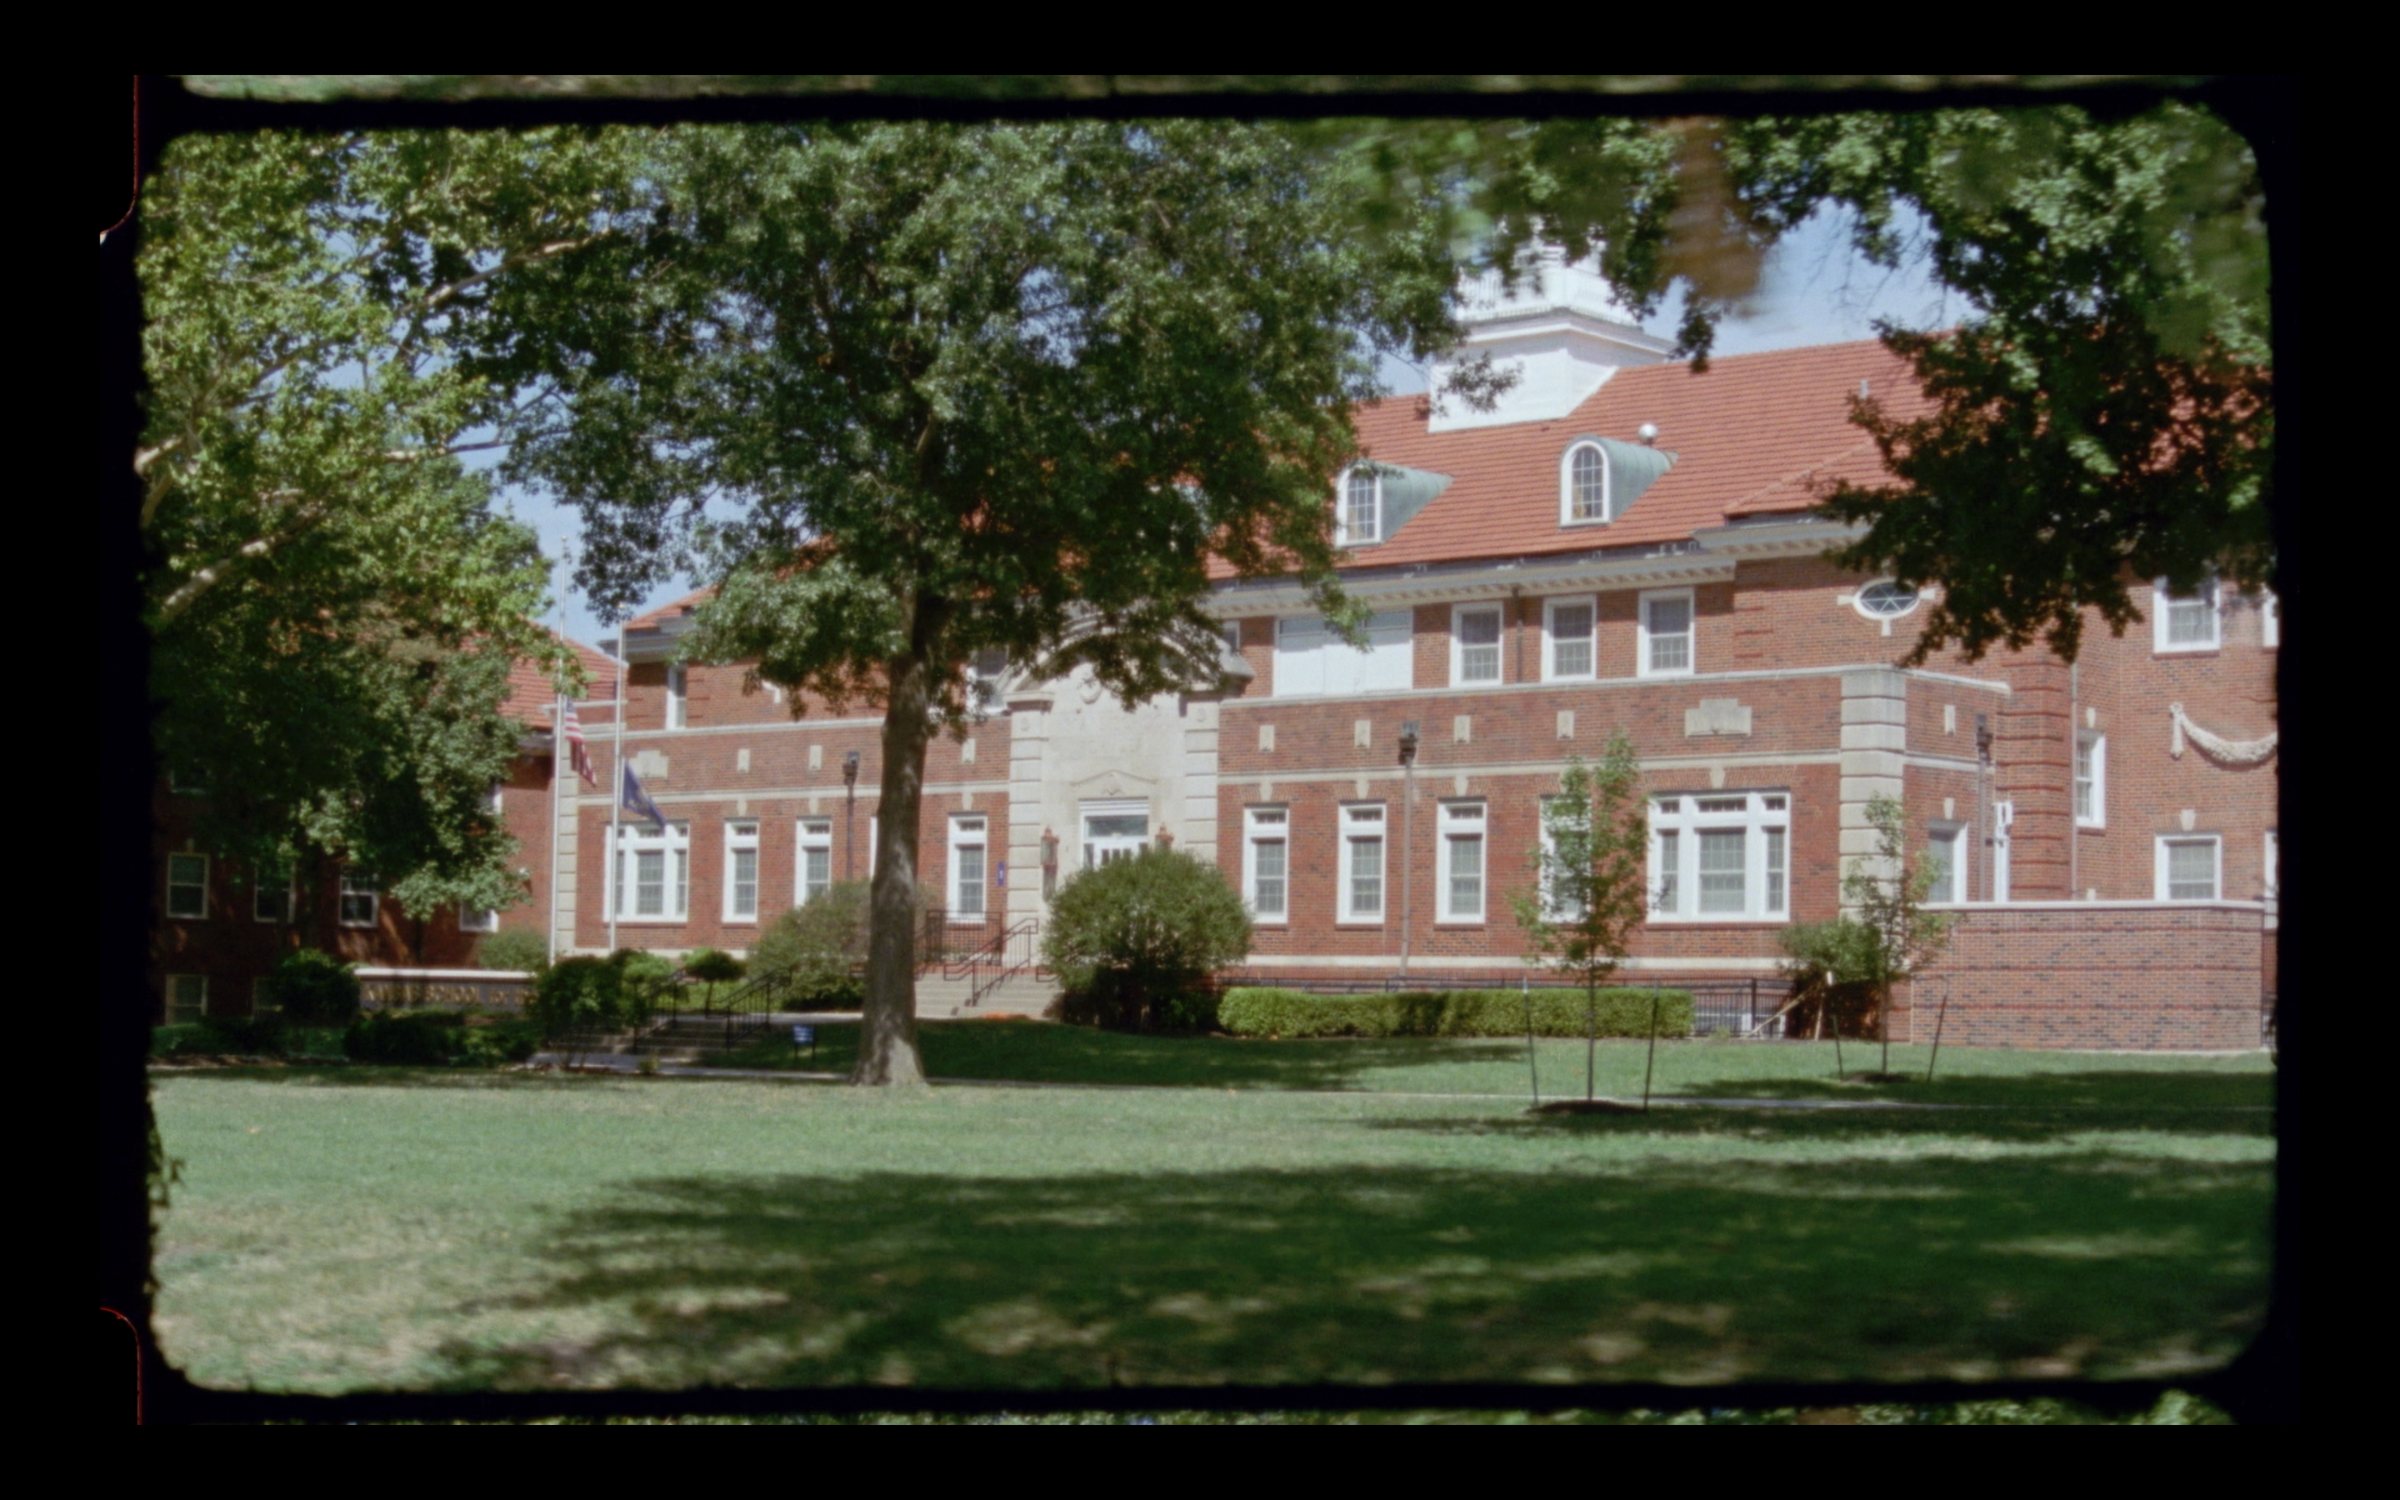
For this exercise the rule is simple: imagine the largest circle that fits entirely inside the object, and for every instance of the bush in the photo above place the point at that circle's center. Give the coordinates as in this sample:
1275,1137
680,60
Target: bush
807,957
644,980
516,952
1831,966
426,1039
1462,1013
578,994
309,988
1135,941
253,1035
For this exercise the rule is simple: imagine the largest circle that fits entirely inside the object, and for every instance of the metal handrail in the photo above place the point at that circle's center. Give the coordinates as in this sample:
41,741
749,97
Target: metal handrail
1005,968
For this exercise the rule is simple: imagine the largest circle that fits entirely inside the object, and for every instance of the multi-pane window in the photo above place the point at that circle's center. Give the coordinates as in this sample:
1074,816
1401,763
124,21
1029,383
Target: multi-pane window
1586,497
1113,830
187,885
1362,507
478,918
2186,622
1311,661
741,872
816,858
677,696
1666,633
967,842
986,680
273,898
654,872
1941,857
2189,869
1562,898
1568,628
1475,644
1266,863
358,898
187,997
1362,863
1720,856
2091,780
1462,861
2270,619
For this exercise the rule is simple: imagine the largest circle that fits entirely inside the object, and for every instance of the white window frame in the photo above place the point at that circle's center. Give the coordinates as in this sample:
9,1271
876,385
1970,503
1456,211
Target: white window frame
1551,638
2162,609
1394,628
1095,849
741,837
290,893
679,695
1765,821
1566,488
2271,871
195,909
987,671
473,919
2270,620
2091,748
1459,647
1553,908
1362,822
358,886
674,848
969,831
1644,640
1952,840
1891,590
1267,827
1344,535
814,835
1462,823
180,1012
2216,846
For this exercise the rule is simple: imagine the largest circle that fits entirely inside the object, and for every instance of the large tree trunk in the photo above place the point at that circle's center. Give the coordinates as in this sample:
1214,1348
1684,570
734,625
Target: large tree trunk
887,1040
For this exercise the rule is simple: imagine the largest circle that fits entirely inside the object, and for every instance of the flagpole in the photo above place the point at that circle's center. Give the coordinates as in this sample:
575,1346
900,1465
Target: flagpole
616,801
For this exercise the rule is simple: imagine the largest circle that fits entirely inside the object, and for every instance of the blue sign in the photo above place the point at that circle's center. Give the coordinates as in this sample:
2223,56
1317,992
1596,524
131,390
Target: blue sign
1000,872
804,1036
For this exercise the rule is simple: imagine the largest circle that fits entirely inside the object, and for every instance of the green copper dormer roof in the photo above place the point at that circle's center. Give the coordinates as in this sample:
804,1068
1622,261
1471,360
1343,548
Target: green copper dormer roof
1632,468
1405,492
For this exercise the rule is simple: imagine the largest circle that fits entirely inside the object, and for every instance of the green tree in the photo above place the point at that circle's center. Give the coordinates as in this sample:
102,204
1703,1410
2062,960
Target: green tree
1591,889
954,390
2102,411
1136,940
1886,893
334,604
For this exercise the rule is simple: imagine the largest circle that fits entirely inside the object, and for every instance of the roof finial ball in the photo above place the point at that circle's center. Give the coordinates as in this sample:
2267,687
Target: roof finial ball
1648,433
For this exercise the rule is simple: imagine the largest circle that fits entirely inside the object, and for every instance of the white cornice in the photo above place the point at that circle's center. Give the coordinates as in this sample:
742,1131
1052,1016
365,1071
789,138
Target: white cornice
1463,585
1801,536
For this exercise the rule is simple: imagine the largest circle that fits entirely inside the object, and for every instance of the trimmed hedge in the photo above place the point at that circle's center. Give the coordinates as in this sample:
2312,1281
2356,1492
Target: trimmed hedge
1252,1011
433,1039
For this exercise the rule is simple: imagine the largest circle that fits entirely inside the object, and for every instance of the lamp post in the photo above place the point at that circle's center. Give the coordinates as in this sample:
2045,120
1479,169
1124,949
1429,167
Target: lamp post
1408,836
850,817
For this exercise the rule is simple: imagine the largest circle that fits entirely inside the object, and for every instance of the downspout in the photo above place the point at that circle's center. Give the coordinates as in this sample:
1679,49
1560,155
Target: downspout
558,736
2074,824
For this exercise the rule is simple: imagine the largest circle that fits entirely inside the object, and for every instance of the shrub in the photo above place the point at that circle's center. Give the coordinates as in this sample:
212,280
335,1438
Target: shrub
1136,940
516,951
578,994
1251,1011
255,1035
426,1039
644,980
309,988
808,956
1832,967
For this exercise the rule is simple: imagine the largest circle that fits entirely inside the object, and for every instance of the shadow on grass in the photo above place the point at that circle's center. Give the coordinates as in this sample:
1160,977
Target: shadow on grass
363,1075
2156,1089
2101,1264
1033,1052
1921,1129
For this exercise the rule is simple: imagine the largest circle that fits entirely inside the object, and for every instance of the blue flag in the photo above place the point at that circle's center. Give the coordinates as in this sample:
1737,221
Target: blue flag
636,801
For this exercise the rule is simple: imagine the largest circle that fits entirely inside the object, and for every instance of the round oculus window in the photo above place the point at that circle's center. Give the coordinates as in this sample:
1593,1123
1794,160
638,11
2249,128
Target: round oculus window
1886,600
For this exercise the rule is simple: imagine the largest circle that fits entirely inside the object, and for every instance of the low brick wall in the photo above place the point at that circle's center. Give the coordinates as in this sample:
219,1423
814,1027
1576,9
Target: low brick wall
2158,975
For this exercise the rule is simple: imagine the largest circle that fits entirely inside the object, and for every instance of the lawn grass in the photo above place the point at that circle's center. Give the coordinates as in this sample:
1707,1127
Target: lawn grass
360,1228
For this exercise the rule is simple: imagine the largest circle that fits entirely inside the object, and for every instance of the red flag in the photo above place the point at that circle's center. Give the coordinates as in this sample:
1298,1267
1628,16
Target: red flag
580,757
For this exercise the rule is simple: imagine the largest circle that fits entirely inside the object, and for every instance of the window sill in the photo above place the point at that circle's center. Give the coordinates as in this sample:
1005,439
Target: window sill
1666,672
1460,924
1359,924
1657,920
2212,650
653,921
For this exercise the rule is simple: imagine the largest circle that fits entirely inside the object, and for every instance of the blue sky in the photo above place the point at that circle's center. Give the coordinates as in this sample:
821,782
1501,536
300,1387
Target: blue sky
1813,290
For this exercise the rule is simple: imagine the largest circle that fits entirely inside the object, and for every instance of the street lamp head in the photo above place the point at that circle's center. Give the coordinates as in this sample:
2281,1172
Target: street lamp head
850,769
1408,742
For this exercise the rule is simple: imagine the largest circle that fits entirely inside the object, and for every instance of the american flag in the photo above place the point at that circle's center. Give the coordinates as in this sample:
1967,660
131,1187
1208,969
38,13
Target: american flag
572,728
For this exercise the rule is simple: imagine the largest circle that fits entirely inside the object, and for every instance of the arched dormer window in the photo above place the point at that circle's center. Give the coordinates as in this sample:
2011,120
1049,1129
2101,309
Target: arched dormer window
1583,485
1360,515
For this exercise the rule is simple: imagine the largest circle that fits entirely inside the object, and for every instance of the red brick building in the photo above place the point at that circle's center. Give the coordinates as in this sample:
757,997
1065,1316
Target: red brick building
1619,544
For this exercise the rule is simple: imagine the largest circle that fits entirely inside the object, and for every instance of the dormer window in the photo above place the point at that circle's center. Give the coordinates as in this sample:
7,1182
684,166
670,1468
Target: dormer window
1583,485
1361,515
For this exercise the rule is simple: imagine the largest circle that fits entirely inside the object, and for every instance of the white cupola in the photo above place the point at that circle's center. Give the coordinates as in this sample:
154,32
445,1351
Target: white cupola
1562,331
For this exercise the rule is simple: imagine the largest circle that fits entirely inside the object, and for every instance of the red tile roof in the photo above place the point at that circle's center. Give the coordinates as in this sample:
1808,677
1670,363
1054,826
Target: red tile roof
531,695
1749,437
653,619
